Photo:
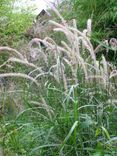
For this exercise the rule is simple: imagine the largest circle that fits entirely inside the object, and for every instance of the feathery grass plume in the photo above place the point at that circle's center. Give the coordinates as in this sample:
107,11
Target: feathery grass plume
60,73
55,49
59,15
79,60
89,29
77,42
47,44
87,44
74,58
25,62
113,74
36,53
19,75
71,38
105,71
113,44
12,51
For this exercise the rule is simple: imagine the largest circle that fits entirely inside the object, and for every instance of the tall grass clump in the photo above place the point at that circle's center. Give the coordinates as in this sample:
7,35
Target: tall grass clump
69,104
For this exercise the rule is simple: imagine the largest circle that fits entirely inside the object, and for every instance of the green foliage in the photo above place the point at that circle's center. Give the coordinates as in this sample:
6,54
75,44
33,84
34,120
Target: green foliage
102,13
13,23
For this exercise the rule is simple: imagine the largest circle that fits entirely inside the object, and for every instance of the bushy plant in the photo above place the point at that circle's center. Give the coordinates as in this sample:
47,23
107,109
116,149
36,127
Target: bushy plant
12,23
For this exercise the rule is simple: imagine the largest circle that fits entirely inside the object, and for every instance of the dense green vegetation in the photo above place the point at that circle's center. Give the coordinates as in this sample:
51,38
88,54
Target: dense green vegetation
61,99
102,13
12,23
